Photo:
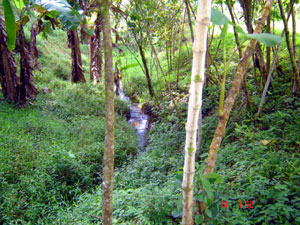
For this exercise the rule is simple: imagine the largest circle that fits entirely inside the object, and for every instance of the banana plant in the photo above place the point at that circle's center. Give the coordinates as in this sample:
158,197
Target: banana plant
59,9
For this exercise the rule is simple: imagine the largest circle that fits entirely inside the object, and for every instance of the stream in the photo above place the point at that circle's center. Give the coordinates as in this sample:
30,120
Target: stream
137,118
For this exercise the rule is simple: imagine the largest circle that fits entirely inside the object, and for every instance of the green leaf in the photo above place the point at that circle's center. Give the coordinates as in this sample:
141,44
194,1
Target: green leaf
201,197
239,29
208,213
207,187
129,66
198,219
19,4
265,38
68,16
218,17
10,24
214,208
214,177
224,31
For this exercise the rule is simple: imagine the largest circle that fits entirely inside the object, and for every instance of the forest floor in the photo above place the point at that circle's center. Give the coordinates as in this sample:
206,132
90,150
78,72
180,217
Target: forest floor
51,152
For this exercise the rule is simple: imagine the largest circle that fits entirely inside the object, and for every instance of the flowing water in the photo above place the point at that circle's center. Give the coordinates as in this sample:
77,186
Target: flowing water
137,118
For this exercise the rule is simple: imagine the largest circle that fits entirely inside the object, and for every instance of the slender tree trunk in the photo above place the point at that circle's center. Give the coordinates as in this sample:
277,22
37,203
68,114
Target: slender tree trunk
189,19
191,8
164,76
108,159
237,40
8,69
151,92
96,53
167,57
27,88
180,43
294,41
295,75
241,70
35,30
268,54
274,62
268,81
259,58
246,5
294,31
77,70
195,102
255,74
261,63
157,77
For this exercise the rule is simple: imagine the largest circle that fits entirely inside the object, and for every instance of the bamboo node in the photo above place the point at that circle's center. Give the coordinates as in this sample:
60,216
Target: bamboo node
190,130
187,188
204,22
198,52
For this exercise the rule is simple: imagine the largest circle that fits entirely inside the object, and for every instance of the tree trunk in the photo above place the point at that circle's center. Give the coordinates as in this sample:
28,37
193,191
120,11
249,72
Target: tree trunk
195,102
8,69
108,158
237,40
264,94
151,92
295,75
189,19
268,54
35,30
117,79
96,53
180,43
241,70
274,62
261,63
294,31
246,5
164,76
27,89
259,58
77,70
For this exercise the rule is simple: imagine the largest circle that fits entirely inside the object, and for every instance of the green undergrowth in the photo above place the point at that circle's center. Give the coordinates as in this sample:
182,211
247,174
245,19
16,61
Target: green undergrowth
51,152
145,189
258,161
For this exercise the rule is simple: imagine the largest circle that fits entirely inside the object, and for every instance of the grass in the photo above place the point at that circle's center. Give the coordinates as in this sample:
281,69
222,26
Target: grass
51,152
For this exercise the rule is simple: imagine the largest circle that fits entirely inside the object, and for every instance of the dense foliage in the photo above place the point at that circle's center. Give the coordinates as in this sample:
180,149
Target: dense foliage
51,152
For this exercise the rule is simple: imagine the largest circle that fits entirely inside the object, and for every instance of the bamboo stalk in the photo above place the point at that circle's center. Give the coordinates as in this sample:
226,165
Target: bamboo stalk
195,102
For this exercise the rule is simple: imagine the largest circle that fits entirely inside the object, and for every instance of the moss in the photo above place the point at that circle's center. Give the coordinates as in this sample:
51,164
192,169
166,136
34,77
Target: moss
198,78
